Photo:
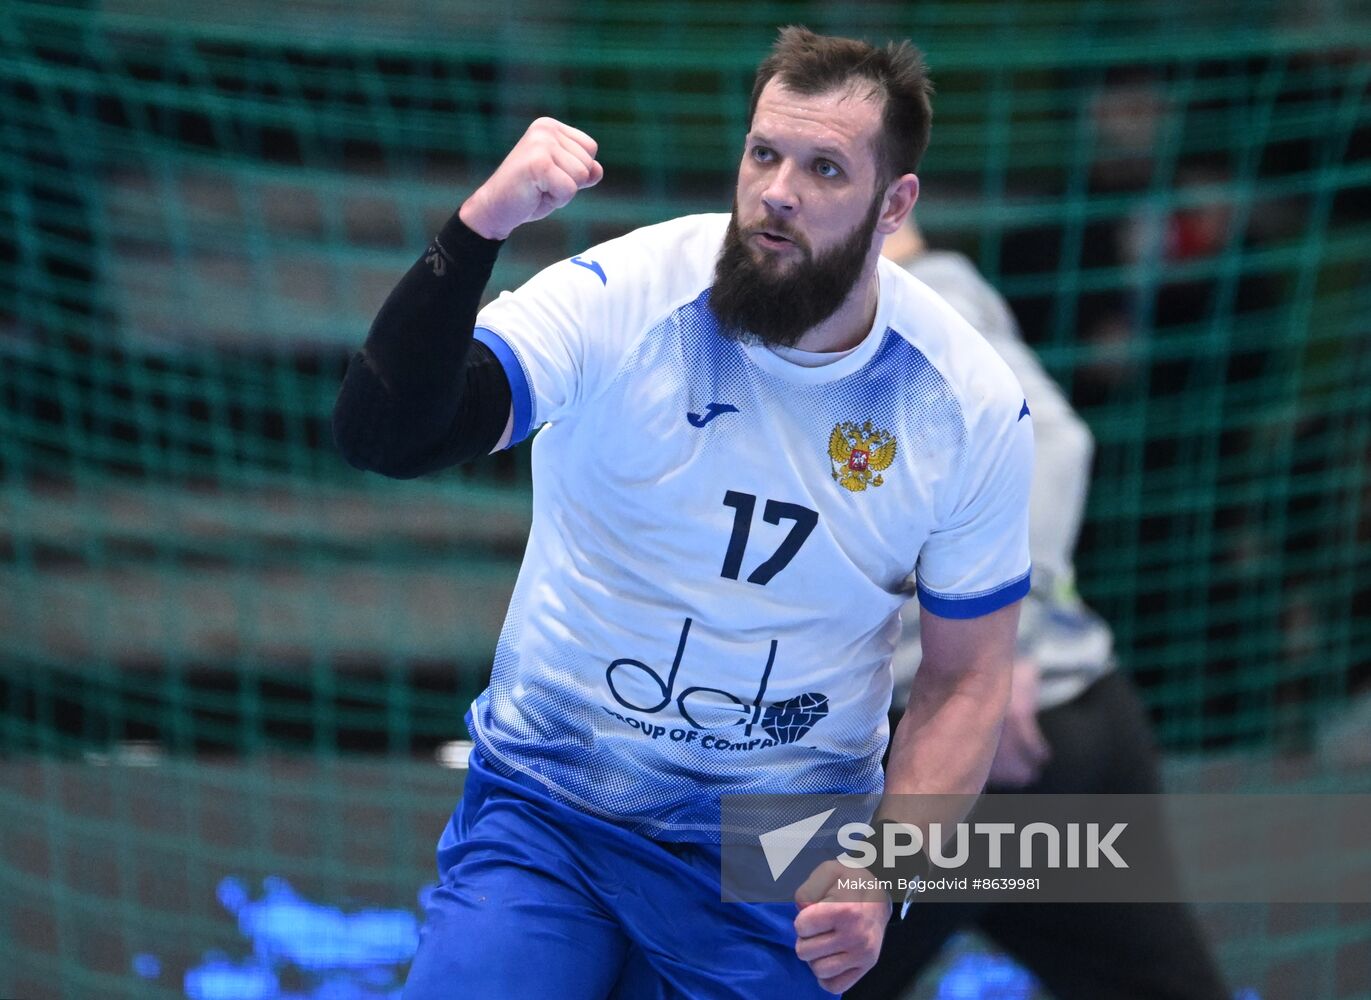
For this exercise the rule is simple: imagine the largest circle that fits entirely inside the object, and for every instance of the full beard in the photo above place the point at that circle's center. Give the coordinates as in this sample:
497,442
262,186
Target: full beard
757,302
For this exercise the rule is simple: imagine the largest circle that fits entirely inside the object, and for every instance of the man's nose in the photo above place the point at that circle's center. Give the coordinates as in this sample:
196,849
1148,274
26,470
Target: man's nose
779,194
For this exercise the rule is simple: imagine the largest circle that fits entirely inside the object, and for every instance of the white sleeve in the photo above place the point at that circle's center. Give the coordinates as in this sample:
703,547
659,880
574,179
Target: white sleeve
1063,442
977,561
1061,476
563,335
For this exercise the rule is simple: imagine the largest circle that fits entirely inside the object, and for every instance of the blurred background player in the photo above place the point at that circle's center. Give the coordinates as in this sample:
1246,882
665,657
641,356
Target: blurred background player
1075,723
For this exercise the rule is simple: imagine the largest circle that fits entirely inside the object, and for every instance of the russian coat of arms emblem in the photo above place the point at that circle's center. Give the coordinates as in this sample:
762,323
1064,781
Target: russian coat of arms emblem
860,454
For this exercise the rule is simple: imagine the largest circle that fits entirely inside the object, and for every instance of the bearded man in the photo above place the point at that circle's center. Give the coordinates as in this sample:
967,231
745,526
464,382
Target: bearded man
756,436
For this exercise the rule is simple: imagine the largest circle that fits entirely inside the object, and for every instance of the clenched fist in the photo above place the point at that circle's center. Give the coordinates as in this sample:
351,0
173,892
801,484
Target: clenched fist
544,170
839,930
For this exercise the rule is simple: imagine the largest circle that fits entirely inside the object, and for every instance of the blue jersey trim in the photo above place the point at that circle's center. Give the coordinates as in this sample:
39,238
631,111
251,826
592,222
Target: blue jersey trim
520,393
975,605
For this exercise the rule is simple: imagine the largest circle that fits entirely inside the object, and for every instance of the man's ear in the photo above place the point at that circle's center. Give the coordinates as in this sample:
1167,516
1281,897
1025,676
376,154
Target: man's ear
900,197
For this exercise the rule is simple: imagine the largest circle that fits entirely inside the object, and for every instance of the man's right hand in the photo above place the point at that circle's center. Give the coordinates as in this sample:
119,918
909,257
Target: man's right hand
542,173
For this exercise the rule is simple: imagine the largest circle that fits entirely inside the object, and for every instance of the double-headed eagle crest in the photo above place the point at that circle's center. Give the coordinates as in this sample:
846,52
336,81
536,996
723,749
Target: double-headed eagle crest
860,454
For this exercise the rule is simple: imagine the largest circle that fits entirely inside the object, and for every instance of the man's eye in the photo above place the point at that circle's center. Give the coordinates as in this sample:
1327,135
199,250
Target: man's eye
827,168
762,154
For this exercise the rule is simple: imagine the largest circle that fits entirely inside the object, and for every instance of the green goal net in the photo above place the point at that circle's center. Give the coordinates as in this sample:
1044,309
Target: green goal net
226,657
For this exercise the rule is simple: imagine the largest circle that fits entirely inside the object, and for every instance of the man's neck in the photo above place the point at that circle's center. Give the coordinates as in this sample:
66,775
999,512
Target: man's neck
849,326
905,245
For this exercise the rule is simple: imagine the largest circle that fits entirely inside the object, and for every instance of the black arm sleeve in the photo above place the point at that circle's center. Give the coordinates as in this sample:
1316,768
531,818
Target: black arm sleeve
419,396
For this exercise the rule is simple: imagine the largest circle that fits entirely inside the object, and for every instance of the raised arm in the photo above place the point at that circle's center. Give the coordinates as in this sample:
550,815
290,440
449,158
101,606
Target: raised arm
419,396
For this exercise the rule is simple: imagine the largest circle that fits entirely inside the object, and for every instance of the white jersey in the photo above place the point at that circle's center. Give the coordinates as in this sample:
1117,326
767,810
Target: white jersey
722,539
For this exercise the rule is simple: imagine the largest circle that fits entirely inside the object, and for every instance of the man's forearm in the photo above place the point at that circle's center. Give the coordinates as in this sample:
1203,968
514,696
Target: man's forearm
409,403
942,749
946,740
422,332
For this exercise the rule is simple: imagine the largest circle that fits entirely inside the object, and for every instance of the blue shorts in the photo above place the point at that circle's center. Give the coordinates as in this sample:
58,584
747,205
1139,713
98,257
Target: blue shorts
539,900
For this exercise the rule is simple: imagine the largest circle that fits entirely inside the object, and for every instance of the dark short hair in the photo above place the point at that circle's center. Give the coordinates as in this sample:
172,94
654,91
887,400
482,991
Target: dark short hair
816,64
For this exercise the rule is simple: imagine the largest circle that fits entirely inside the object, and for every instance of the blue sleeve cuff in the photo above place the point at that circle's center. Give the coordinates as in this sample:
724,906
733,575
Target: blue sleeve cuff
975,605
520,392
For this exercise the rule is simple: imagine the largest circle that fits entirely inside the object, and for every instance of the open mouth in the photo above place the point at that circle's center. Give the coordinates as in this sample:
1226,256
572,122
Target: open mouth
773,240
